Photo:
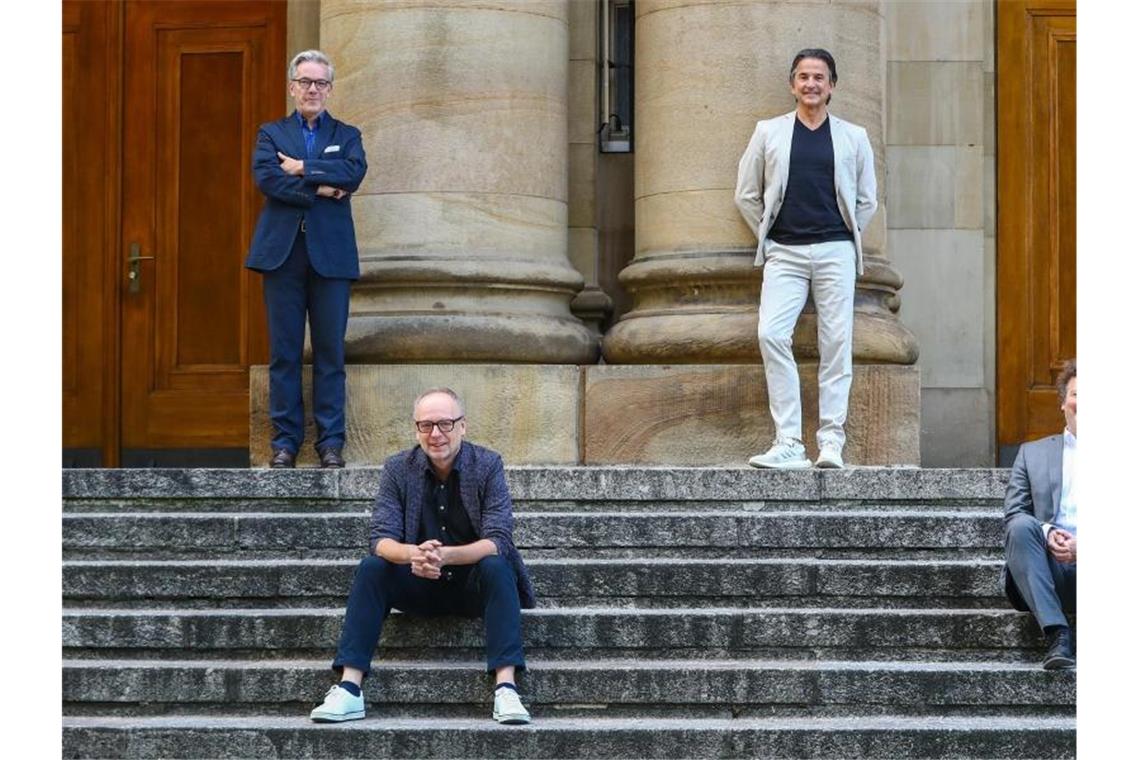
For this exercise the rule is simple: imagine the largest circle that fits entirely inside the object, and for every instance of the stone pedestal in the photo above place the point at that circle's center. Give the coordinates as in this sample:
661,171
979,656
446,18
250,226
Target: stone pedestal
718,414
559,414
528,413
462,219
706,72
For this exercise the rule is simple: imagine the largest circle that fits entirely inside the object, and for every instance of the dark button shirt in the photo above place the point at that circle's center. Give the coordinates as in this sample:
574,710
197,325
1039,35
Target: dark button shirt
310,135
809,213
443,518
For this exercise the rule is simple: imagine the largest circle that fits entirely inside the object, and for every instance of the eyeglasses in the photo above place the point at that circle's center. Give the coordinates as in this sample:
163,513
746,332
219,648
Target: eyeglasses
445,426
305,84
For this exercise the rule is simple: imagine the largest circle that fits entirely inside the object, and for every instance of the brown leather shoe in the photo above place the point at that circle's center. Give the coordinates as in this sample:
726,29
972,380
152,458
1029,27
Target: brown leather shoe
331,457
283,459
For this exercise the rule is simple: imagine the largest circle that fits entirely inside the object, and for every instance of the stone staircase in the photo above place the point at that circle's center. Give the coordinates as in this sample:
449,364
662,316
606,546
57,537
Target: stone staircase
684,612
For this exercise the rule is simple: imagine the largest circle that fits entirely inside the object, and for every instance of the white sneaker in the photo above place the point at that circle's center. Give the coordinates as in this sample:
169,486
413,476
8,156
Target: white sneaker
784,455
830,457
509,708
339,705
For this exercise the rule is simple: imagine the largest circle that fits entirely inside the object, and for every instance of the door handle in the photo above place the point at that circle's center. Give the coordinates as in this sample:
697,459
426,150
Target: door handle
134,268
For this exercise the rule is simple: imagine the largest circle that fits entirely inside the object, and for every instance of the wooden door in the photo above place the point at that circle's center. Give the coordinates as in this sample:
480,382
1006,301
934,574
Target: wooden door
1037,220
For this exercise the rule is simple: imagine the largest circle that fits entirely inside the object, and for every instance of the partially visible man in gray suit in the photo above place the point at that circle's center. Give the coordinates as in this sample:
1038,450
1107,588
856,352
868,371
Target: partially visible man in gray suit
806,187
1040,574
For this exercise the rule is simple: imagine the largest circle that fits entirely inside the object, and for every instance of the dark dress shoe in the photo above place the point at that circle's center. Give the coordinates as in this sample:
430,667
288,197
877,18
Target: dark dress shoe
283,459
331,458
1061,654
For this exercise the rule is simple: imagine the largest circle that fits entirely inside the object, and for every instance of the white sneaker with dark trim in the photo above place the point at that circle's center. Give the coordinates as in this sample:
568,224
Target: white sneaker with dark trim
784,455
509,708
339,705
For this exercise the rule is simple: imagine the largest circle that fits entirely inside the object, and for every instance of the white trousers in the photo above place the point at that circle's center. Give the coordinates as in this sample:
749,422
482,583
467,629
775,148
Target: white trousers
789,270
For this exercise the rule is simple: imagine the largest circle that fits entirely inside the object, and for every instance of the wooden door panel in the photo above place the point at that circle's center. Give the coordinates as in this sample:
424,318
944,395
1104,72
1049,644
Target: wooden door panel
204,205
90,97
1036,85
198,81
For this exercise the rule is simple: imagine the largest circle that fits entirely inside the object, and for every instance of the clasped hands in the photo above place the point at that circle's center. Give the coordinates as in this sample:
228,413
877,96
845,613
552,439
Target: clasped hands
296,167
427,559
1062,545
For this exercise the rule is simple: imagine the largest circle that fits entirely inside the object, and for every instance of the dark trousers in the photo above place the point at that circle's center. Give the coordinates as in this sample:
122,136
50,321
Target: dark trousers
489,590
1047,587
291,291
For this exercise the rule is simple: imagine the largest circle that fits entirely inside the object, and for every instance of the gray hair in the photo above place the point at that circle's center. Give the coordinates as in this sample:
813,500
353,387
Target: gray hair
441,389
310,56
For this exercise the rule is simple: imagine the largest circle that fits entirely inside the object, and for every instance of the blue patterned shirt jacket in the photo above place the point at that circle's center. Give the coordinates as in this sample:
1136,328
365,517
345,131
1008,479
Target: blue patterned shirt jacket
482,492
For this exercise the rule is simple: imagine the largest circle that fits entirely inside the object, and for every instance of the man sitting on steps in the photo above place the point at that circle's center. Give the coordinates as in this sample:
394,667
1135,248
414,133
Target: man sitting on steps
1040,573
441,544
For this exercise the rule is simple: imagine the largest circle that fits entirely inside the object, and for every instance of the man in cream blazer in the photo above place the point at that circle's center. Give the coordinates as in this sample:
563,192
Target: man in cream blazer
806,187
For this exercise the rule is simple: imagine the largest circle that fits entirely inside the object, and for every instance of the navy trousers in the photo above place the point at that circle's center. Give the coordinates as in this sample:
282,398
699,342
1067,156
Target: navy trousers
1048,587
489,591
291,291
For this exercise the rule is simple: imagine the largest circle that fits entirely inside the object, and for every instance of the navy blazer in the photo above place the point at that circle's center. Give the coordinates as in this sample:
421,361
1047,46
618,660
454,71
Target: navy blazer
329,233
482,490
1034,489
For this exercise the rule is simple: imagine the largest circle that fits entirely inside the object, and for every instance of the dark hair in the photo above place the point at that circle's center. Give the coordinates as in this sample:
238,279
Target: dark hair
822,55
1068,372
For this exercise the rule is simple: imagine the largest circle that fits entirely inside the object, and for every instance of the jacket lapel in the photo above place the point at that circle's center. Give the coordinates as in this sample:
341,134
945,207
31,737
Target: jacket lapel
469,487
294,141
415,496
1056,472
784,148
840,150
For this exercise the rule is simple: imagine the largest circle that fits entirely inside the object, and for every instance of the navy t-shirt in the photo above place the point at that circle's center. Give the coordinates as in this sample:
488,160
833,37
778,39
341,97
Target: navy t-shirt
810,211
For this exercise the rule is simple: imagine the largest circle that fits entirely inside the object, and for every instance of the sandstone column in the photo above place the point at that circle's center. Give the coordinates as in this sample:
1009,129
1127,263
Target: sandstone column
706,71
462,220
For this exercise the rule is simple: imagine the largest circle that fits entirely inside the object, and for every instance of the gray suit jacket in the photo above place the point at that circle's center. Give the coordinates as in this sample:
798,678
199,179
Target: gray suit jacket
1034,489
762,176
482,490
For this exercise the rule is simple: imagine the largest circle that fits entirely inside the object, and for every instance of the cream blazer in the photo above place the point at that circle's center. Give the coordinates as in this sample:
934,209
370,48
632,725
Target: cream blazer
763,174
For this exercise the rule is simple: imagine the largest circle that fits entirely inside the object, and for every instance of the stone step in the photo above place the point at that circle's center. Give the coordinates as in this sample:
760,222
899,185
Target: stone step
876,634
290,684
573,582
559,484
521,506
847,737
164,535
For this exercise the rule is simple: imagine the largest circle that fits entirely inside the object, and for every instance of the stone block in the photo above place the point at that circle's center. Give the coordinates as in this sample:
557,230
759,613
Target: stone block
935,187
942,30
583,251
583,18
935,103
528,413
943,302
583,172
957,425
718,414
582,103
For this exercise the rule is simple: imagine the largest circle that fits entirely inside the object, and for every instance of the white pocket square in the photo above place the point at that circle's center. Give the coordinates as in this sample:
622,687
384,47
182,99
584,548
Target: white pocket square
332,149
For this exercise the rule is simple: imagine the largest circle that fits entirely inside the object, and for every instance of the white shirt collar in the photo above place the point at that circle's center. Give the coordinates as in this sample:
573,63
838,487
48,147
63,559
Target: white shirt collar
1070,440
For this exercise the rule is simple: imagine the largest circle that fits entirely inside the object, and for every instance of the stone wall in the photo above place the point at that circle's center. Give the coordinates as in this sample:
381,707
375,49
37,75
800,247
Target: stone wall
940,214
